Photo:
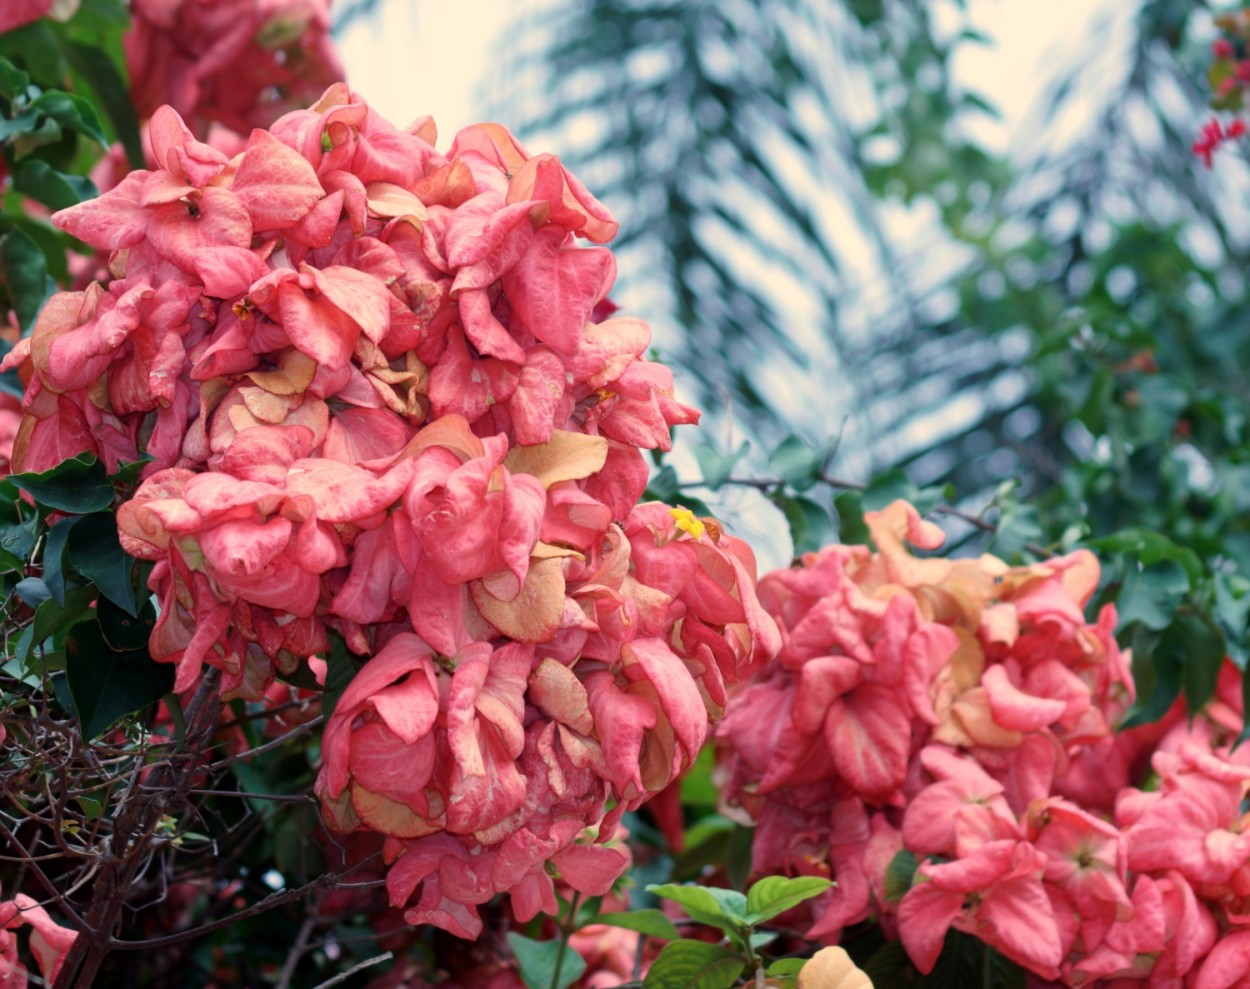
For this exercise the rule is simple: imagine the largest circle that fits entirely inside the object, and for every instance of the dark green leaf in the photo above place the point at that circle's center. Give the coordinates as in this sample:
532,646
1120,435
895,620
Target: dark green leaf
13,81
340,668
1149,547
774,895
663,487
851,527
97,554
650,922
810,525
1150,595
124,631
54,556
24,272
54,189
112,93
538,960
1157,670
1204,655
77,485
52,616
72,111
899,875
107,685
694,965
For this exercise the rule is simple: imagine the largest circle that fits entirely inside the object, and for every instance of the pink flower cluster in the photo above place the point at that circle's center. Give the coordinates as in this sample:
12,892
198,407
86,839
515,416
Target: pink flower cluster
239,63
49,941
963,712
382,401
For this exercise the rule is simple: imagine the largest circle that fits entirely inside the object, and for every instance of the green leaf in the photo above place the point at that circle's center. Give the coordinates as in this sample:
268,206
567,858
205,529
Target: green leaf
1203,656
796,463
738,855
663,487
851,527
106,684
52,616
77,485
775,895
722,908
54,189
1150,595
810,525
340,668
1150,547
538,960
13,81
786,966
689,964
17,542
97,554
54,555
715,466
650,922
125,631
72,111
888,487
1157,670
32,591
24,272
1017,526
112,94
899,875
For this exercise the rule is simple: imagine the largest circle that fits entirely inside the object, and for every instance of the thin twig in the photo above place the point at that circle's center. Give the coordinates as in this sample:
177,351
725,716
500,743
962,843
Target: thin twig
295,732
360,966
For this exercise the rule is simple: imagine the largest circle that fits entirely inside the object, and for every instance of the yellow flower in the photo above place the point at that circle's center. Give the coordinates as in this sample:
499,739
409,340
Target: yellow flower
687,522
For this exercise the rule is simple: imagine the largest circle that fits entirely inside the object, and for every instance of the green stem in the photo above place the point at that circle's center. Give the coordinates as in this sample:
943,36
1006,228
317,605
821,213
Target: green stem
566,928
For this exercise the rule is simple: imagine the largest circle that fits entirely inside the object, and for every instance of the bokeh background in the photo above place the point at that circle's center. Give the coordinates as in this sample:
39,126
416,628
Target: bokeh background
967,241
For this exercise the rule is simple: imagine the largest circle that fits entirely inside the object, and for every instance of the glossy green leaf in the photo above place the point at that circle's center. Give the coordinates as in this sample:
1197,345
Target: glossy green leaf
54,189
77,485
774,895
54,546
689,964
107,685
538,961
73,112
96,553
